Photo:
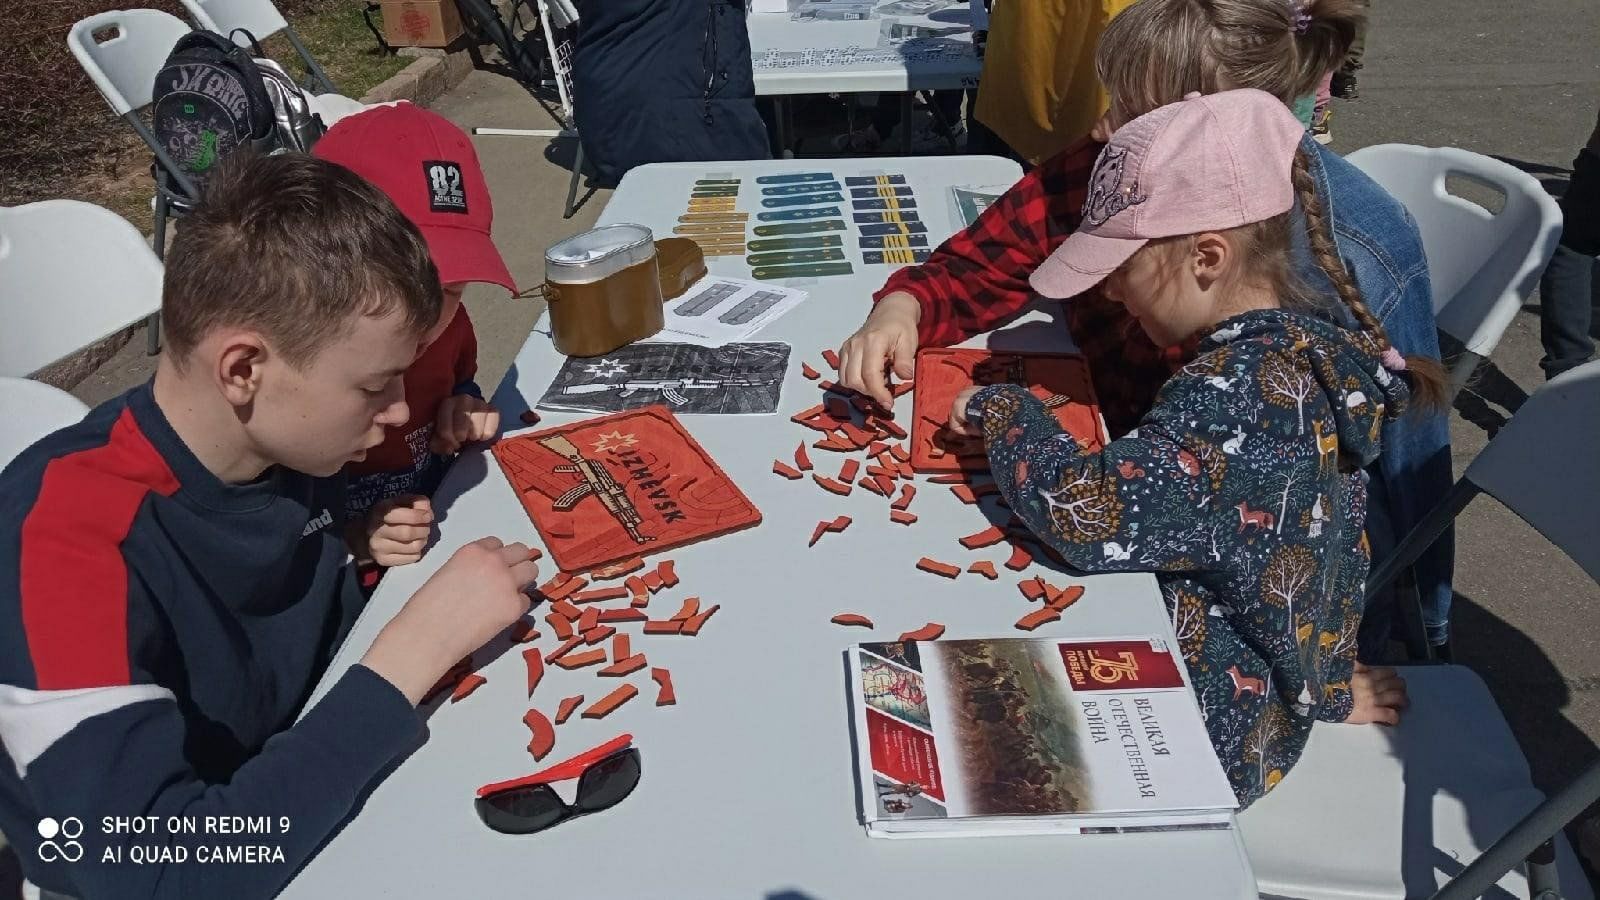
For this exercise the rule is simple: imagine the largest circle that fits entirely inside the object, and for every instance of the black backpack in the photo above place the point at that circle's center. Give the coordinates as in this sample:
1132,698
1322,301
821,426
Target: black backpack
212,97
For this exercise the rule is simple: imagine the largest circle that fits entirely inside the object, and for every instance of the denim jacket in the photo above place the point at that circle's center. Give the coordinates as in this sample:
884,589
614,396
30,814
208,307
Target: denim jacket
1381,247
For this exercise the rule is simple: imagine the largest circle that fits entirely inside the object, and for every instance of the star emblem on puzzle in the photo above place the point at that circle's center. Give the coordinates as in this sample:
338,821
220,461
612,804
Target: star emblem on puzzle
605,368
614,440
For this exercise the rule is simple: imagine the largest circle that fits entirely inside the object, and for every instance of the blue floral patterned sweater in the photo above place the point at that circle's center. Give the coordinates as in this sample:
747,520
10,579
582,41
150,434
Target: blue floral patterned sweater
1241,489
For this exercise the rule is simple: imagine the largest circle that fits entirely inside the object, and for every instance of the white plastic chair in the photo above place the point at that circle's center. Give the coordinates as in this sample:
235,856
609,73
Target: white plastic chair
71,273
262,20
1483,265
32,410
1378,812
123,68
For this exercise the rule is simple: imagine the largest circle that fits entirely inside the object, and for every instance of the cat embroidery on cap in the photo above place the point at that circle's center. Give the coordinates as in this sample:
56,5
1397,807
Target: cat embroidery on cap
1107,196
446,193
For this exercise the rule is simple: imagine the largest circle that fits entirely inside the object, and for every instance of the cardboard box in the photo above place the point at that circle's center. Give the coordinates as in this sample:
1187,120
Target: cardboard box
421,23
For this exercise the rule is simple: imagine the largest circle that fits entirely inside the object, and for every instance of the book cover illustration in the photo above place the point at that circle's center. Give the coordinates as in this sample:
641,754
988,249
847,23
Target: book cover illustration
1060,380
1030,727
620,486
734,379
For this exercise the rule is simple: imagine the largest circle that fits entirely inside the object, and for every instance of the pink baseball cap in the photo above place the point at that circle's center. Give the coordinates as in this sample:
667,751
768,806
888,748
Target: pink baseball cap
1205,163
430,170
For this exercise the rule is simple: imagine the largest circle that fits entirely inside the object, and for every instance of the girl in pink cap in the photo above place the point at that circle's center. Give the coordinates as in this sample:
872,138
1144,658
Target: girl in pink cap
1241,488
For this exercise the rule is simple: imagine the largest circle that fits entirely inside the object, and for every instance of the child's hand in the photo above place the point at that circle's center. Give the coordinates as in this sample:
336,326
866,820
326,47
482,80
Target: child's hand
398,530
1377,696
475,595
462,419
958,414
888,337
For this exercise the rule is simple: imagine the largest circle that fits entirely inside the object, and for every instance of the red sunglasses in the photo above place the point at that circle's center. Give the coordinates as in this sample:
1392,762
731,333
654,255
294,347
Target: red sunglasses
606,775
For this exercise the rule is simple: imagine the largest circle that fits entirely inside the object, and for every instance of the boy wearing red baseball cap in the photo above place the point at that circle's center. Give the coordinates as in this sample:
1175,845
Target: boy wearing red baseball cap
429,169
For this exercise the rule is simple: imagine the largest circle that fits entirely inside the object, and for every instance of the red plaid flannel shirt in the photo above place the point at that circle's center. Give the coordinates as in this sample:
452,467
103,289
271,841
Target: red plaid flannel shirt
978,279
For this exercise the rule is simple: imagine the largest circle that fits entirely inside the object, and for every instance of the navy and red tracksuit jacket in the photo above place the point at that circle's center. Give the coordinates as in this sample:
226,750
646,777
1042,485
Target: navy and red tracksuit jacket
159,632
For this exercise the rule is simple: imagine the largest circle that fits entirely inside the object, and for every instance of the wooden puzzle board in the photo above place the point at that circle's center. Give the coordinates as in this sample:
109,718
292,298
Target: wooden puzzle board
621,486
1060,380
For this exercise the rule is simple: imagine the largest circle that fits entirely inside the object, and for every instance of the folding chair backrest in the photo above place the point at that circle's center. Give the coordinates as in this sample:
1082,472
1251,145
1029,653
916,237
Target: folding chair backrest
71,273
32,410
123,68
1483,265
259,17
1544,464
558,19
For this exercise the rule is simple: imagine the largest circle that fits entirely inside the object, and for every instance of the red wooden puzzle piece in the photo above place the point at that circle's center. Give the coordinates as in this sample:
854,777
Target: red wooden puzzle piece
692,625
589,619
466,686
808,372
1065,597
668,571
627,666
566,610
871,484
847,474
690,607
988,537
626,614
786,471
984,568
568,704
561,625
1038,617
1032,588
561,651
601,594
621,647
802,459
929,632
663,626
1020,558
522,632
451,678
535,664
665,696
605,705
579,660
901,517
831,486
908,492
617,570
831,358
900,453
851,619
598,633
938,568
544,734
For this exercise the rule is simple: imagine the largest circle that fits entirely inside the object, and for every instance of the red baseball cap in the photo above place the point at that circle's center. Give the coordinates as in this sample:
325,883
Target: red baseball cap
428,168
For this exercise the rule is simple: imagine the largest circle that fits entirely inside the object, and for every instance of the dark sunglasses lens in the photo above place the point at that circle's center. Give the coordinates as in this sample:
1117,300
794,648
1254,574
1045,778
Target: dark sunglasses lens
608,781
521,810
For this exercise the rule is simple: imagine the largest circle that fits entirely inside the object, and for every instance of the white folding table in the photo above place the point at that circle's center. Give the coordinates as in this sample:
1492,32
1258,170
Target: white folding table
749,787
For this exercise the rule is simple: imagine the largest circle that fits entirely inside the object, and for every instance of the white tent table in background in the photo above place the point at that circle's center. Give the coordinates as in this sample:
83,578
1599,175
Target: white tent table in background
894,53
749,785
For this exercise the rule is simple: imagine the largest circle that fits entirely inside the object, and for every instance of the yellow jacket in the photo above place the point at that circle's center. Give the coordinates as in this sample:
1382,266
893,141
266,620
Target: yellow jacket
1039,91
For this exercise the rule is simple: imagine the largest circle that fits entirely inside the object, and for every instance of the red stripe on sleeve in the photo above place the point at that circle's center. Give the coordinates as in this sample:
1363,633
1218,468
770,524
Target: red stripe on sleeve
74,581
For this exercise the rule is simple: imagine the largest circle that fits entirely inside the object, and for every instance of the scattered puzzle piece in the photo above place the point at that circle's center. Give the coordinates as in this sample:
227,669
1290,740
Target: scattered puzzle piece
831,486
665,696
568,704
653,582
831,358
535,662
561,625
607,704
808,372
544,734
626,614
1065,597
984,568
691,626
627,666
1038,617
786,471
535,554
851,619
902,517
1020,558
522,632
668,570
596,596
617,570
566,645
988,537
566,610
899,451
928,632
871,484
597,634
1032,588
956,478
579,660
927,564
663,626
621,648
847,474
466,686
589,619
451,678
690,607
908,492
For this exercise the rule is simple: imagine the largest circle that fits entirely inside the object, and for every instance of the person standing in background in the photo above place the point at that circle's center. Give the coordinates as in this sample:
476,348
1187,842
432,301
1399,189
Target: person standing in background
1039,92
1567,296
665,81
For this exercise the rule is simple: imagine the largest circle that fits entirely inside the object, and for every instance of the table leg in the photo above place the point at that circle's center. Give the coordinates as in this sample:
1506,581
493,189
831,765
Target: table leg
906,107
